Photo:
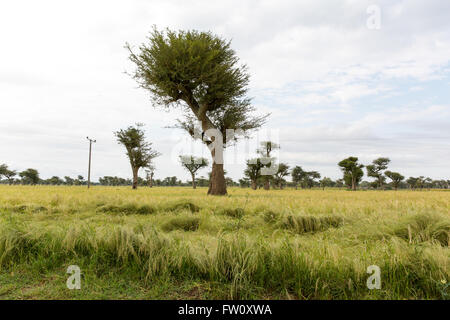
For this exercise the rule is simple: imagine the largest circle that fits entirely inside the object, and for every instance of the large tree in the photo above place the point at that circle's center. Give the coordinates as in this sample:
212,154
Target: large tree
7,173
30,176
139,151
395,177
193,164
199,73
375,170
352,171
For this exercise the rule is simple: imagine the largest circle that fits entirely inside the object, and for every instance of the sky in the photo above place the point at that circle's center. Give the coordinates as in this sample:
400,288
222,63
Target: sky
339,78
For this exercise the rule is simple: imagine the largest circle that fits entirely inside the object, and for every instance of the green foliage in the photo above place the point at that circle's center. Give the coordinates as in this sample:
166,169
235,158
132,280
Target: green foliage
8,174
199,71
297,174
395,177
352,171
253,171
30,176
193,164
282,172
375,170
139,152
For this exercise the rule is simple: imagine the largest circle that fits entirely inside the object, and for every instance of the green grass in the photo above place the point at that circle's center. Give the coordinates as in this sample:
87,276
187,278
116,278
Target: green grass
178,243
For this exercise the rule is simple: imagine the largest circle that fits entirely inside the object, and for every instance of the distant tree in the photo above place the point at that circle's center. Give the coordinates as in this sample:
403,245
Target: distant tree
201,73
8,174
297,175
139,152
339,183
282,172
395,177
54,181
428,183
326,182
79,180
412,182
375,170
68,181
30,176
253,171
309,178
150,172
352,171
193,164
245,182
265,150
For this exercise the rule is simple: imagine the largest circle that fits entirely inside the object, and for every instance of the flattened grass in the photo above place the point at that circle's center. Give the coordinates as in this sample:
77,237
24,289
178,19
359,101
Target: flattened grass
250,245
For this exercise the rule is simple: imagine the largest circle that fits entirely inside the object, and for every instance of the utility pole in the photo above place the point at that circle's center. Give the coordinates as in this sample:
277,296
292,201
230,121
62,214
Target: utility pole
90,153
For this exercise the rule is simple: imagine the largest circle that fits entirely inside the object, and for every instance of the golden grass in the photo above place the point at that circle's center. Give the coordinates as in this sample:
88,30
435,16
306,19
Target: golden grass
295,243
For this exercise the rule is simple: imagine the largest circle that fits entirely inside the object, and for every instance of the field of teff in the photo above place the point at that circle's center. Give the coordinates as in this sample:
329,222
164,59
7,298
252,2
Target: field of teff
178,243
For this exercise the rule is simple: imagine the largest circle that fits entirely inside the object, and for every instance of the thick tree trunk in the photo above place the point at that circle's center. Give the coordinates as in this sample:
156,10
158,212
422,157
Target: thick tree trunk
135,178
353,184
253,185
194,184
151,181
217,184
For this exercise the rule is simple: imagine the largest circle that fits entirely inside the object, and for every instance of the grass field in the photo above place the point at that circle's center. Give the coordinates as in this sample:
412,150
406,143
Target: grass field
178,243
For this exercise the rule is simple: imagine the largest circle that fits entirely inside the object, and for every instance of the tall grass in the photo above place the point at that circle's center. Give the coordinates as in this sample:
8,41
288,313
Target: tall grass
305,249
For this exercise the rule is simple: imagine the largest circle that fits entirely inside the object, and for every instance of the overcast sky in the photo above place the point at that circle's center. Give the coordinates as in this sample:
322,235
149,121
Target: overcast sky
335,85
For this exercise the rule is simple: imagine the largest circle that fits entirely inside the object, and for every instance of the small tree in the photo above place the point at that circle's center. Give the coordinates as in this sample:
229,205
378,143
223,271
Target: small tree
30,176
55,180
68,181
375,170
139,152
310,177
200,73
8,174
413,182
352,171
253,172
150,172
396,178
298,175
326,182
265,150
282,172
193,164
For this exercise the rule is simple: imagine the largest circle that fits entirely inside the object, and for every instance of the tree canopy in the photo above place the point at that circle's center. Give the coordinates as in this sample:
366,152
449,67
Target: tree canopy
139,151
200,73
